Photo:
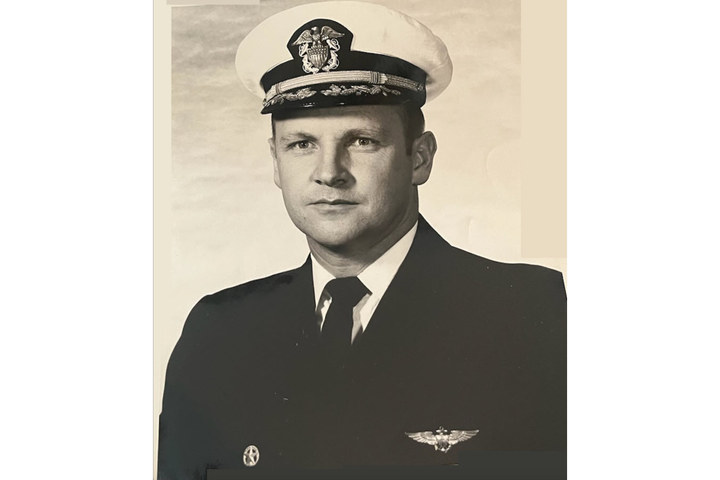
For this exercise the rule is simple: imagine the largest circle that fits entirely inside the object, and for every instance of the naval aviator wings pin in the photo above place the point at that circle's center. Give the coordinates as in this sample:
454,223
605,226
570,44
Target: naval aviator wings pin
316,46
441,439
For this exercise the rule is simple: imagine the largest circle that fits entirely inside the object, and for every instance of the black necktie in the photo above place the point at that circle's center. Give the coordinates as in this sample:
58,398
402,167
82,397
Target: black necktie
336,334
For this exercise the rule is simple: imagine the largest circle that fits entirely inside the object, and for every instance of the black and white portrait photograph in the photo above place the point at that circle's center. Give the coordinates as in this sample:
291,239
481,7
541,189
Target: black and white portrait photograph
347,281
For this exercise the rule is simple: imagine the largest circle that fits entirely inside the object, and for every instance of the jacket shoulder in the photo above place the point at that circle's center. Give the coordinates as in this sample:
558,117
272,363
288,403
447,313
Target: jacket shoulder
247,303
518,294
253,289
480,268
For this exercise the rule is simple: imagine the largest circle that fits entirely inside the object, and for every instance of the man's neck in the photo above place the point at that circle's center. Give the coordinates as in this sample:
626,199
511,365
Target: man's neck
351,262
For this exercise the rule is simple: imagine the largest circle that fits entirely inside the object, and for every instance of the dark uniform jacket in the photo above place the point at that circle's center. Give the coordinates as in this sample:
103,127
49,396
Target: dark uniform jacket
457,341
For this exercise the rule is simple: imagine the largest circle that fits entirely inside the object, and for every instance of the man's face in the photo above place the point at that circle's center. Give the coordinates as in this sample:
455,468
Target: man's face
346,176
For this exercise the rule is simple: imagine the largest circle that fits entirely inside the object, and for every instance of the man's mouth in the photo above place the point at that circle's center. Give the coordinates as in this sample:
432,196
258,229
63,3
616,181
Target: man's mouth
336,201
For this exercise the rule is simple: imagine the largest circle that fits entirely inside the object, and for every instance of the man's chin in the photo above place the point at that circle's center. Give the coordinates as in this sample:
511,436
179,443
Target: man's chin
338,240
334,243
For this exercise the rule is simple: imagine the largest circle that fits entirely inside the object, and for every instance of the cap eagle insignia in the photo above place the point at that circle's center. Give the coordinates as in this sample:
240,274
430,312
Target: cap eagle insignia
441,439
318,49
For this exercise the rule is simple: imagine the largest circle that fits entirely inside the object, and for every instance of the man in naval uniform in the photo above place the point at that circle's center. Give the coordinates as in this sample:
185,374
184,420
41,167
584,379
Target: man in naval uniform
388,346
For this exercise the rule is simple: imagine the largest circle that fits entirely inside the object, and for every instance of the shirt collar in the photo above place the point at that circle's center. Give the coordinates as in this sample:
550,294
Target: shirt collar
376,276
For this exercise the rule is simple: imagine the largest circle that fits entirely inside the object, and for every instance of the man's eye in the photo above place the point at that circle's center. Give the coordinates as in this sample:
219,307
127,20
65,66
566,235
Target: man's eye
302,145
364,142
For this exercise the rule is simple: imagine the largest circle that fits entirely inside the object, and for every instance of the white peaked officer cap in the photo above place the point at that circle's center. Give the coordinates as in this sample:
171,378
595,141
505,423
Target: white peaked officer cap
342,53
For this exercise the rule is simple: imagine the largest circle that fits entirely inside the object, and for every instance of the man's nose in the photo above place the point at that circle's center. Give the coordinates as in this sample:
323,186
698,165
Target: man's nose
332,168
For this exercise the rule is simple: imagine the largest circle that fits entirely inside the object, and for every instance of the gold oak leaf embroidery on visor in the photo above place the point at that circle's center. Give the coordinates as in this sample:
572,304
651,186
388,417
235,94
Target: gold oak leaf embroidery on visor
299,95
334,90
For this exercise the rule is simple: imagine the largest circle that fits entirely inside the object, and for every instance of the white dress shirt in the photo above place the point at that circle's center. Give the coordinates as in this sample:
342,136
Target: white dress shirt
376,277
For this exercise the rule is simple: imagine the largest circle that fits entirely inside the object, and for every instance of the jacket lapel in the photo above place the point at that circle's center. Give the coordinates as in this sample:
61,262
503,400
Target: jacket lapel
410,303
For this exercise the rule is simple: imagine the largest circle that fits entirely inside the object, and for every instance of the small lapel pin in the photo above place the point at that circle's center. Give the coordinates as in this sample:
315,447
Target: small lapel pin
251,456
441,439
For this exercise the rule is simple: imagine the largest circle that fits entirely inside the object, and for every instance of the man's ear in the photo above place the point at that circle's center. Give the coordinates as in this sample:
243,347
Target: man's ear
276,174
423,152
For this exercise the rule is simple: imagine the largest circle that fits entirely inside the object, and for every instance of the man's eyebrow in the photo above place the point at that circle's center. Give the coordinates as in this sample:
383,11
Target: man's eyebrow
365,132
297,135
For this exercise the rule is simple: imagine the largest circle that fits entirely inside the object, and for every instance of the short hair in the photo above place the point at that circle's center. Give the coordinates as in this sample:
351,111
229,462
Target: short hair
410,114
413,124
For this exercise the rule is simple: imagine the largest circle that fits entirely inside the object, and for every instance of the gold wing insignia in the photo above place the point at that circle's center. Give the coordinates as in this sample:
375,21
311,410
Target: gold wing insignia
328,32
423,437
305,37
457,436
